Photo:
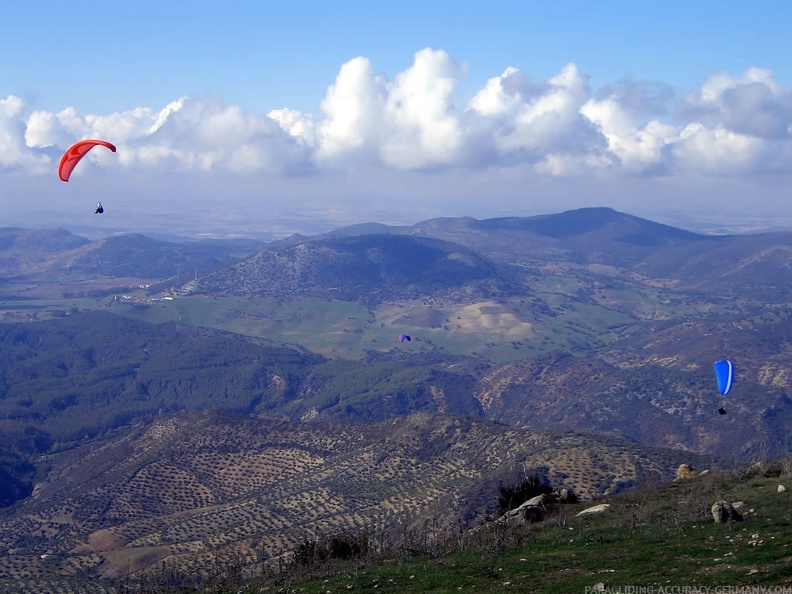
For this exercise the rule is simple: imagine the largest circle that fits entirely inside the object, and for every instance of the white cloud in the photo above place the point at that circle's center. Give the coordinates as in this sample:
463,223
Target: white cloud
14,152
301,126
352,111
731,125
637,147
212,135
46,129
524,121
419,117
752,104
406,123
718,151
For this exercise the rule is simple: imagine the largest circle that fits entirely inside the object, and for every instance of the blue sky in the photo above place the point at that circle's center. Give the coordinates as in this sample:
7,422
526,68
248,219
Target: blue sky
101,56
353,110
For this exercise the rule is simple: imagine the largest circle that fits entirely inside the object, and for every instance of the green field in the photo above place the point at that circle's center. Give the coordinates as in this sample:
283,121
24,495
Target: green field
500,332
558,312
495,331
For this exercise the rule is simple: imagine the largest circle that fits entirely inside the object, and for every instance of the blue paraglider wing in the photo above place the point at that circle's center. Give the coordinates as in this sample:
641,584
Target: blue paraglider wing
724,373
403,337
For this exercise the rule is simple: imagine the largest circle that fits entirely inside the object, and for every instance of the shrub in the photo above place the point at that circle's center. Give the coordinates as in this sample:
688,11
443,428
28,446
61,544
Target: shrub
512,496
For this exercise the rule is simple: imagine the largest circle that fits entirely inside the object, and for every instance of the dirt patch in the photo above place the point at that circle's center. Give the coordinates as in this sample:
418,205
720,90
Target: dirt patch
127,561
104,540
490,317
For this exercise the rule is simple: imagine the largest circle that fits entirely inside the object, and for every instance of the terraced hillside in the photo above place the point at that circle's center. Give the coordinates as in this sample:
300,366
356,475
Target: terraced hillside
192,489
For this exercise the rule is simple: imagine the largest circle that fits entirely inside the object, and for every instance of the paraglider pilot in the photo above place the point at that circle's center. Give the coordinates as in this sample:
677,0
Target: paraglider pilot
73,155
724,373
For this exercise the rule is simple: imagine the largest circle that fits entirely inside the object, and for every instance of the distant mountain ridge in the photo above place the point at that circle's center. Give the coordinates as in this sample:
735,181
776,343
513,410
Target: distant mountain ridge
23,249
574,235
453,254
471,257
27,253
585,236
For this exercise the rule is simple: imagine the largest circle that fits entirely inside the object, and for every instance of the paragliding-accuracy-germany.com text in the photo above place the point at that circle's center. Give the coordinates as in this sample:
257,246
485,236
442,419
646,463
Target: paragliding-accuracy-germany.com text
601,589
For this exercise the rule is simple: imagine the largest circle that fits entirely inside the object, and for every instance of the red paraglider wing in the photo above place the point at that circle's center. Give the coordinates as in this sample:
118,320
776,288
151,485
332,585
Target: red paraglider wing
76,152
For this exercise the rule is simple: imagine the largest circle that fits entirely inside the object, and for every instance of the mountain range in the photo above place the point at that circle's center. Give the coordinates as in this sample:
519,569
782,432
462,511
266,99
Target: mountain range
578,346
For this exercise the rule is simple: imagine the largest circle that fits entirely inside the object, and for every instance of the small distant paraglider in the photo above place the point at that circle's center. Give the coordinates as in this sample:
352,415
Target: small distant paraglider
724,374
404,338
72,157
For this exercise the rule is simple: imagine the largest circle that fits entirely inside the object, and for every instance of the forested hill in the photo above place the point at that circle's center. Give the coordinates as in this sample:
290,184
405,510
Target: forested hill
68,380
369,268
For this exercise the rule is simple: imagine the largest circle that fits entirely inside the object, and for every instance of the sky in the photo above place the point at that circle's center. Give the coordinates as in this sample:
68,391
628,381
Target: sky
256,117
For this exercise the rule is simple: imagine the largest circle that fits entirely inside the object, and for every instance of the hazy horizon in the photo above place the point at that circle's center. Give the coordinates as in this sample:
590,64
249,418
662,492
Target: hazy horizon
256,118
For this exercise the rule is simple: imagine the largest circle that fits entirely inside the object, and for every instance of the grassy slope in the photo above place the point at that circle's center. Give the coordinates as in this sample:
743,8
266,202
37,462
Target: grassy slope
650,538
657,536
